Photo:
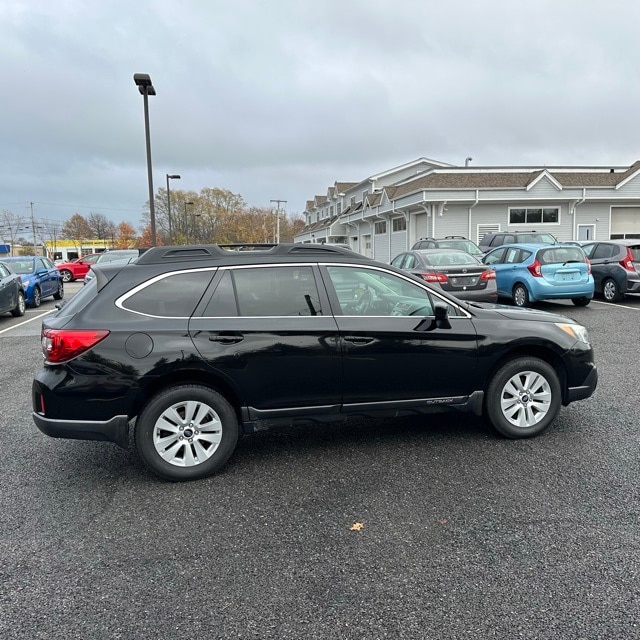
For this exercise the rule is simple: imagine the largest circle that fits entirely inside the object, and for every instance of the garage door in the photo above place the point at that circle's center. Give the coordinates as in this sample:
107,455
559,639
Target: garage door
625,222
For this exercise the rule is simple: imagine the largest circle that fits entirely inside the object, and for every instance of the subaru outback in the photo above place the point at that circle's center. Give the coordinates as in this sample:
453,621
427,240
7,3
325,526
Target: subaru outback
192,346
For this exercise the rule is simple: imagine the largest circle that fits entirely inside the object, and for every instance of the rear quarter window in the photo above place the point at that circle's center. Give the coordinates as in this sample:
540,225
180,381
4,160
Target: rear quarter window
170,296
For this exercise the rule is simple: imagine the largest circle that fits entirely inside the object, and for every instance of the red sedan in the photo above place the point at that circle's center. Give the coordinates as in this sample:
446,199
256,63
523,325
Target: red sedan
77,269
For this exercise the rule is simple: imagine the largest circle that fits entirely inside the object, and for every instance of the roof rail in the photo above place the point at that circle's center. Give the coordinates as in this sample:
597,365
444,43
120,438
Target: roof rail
158,255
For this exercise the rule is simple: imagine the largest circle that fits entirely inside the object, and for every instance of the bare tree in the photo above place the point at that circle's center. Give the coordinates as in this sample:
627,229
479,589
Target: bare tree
11,225
101,227
77,228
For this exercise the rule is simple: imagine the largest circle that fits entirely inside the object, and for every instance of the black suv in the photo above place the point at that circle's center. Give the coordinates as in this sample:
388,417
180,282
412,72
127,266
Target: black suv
199,343
496,239
449,242
615,265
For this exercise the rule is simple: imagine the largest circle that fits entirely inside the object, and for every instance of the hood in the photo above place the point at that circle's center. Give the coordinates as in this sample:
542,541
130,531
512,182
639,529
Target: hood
518,313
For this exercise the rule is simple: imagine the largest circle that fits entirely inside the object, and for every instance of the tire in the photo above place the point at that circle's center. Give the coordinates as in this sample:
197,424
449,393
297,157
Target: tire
37,297
523,398
520,296
67,276
610,291
59,294
180,425
20,307
581,302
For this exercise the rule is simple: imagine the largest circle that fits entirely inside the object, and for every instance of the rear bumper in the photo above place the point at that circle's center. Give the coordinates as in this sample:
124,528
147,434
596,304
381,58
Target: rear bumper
114,430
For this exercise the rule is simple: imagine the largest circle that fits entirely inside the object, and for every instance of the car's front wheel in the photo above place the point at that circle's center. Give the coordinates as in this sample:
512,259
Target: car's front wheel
20,307
523,397
610,291
186,432
520,296
67,276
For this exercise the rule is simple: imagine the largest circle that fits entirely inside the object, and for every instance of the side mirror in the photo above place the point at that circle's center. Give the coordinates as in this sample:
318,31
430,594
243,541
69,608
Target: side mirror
441,317
439,321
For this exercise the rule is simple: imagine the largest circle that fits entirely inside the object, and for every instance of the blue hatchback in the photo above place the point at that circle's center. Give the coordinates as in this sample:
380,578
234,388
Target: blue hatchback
531,272
40,278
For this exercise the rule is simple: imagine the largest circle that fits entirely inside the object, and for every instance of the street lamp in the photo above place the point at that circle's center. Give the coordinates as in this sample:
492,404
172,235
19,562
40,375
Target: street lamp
186,219
170,177
143,82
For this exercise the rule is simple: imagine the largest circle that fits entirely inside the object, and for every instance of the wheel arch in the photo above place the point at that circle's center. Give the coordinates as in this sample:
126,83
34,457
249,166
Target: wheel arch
184,377
541,352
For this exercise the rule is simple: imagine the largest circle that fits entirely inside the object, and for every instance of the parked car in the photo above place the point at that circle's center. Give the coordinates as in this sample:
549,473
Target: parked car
615,265
497,239
449,242
12,296
190,346
111,257
40,278
532,272
456,272
77,269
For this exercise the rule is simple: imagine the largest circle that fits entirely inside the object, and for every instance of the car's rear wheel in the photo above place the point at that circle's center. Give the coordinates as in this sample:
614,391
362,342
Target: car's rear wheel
67,276
581,302
520,296
37,297
523,398
59,294
20,306
186,432
610,291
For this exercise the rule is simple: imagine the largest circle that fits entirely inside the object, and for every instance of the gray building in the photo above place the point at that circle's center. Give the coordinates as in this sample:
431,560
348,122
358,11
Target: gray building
387,212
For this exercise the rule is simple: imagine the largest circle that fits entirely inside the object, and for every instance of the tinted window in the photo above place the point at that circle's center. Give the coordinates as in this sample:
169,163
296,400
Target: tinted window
171,296
276,291
604,251
223,301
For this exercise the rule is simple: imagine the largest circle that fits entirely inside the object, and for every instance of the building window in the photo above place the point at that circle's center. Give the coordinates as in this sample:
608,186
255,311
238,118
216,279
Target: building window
534,215
331,211
338,208
380,227
399,224
352,200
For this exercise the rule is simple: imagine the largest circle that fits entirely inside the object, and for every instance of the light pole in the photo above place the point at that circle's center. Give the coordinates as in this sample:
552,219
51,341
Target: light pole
143,82
186,219
278,218
170,177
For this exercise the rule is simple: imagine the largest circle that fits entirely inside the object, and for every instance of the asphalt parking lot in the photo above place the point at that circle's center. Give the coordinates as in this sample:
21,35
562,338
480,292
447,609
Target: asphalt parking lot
458,533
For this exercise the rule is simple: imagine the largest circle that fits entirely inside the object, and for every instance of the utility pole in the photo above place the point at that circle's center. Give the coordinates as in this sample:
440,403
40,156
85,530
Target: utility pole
278,202
33,228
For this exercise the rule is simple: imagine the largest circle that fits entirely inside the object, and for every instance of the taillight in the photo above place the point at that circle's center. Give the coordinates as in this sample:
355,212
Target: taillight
488,275
535,269
61,345
432,276
627,261
588,266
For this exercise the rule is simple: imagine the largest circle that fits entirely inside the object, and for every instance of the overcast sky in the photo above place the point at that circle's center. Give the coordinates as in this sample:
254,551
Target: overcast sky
278,99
